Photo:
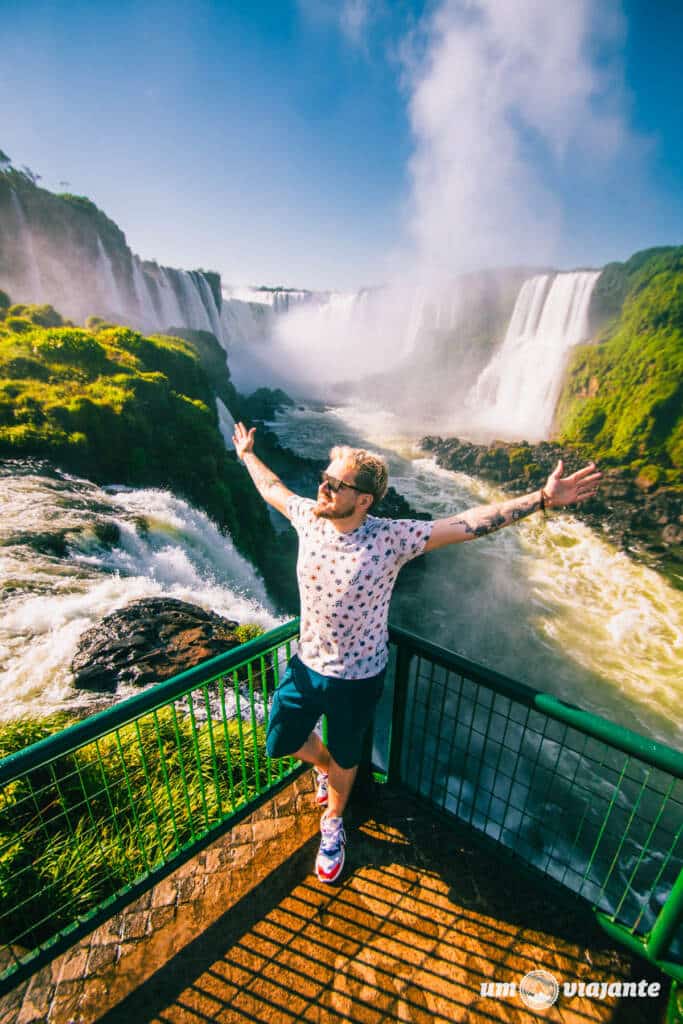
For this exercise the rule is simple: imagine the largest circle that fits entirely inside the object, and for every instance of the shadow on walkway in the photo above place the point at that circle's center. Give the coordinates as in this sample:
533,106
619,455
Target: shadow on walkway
421,920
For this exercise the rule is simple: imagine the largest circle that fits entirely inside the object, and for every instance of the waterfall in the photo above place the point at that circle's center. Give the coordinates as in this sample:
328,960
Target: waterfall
516,394
196,315
243,323
71,266
313,340
171,313
281,300
210,305
284,299
111,294
226,423
147,311
371,329
34,282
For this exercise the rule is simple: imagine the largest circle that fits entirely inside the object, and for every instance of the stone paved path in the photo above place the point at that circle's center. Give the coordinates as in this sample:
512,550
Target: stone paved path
421,919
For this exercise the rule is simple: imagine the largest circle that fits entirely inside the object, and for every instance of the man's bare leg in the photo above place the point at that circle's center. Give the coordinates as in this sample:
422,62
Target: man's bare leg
315,752
339,785
339,781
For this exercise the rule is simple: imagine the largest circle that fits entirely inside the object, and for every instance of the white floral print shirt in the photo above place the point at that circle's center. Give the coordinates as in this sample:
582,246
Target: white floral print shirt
345,585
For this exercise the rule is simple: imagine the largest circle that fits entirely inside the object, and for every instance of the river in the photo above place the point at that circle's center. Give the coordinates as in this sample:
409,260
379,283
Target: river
549,601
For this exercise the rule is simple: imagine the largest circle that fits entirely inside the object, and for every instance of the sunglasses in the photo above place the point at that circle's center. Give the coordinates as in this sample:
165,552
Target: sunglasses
336,485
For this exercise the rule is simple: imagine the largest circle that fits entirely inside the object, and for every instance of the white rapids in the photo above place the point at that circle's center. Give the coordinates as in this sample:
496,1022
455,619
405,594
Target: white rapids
59,579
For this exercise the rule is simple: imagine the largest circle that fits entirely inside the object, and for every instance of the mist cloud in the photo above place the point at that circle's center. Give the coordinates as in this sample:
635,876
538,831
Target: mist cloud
503,99
509,107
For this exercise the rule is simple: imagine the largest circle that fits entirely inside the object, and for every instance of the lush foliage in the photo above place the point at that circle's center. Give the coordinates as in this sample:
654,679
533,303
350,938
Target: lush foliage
116,407
248,631
77,833
213,360
623,397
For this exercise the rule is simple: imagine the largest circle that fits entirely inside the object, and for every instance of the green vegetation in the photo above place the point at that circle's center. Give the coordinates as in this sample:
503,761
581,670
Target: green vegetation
623,397
116,407
213,360
74,834
248,631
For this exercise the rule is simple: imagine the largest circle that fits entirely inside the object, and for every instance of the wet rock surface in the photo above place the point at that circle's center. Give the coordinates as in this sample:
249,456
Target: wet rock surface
149,641
637,514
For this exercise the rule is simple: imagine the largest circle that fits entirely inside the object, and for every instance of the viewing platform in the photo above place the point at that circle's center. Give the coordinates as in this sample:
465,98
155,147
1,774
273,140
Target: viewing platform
475,857
420,921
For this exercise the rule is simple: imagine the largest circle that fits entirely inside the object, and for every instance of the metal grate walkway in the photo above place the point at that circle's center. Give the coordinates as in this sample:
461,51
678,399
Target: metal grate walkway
423,917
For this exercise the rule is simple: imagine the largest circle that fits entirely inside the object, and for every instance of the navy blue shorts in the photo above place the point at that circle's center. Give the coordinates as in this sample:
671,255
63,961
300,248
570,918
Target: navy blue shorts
304,695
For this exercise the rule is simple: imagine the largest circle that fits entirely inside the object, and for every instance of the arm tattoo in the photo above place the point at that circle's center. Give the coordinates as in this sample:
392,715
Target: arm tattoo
263,477
479,522
525,510
478,525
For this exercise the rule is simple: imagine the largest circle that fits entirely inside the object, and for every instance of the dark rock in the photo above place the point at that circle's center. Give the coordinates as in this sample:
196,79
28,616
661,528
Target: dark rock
43,543
264,403
107,533
672,534
147,642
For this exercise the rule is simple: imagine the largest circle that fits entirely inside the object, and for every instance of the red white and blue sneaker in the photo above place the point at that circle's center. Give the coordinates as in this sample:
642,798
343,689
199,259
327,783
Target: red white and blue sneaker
321,788
330,859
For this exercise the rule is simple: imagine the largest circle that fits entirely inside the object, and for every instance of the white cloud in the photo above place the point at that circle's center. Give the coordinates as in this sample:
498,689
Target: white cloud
503,97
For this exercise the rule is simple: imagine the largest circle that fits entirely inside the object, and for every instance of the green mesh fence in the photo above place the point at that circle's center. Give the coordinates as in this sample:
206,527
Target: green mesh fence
92,812
596,807
99,811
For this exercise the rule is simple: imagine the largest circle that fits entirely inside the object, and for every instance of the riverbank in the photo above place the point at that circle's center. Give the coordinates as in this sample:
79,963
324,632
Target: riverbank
636,514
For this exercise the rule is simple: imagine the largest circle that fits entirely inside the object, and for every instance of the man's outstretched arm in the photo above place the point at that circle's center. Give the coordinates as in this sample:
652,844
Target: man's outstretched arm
478,522
267,483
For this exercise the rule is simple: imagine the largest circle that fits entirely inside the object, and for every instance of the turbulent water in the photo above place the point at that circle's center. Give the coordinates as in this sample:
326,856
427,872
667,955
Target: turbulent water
548,602
72,552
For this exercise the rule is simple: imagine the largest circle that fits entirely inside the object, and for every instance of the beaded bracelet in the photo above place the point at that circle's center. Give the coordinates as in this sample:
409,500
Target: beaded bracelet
545,502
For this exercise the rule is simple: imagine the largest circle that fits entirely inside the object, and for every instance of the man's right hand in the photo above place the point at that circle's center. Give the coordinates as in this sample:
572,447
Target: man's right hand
269,486
243,440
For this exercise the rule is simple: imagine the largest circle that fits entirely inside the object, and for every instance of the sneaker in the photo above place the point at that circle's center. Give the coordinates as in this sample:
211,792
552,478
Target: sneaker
330,859
321,790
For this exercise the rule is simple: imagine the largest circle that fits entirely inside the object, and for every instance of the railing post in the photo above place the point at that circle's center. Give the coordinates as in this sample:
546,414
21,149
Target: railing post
670,916
398,716
363,789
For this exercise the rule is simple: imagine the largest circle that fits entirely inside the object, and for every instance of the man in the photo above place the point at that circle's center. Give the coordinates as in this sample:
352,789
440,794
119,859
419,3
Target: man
347,566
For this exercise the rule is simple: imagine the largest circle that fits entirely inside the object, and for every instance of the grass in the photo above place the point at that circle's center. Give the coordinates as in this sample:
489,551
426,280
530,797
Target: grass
85,827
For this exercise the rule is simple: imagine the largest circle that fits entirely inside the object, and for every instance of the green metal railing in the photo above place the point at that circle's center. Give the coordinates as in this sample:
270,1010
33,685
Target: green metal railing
92,816
95,814
592,805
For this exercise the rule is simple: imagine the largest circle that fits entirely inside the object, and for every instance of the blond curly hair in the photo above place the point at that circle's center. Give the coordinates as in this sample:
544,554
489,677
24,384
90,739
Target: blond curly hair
371,470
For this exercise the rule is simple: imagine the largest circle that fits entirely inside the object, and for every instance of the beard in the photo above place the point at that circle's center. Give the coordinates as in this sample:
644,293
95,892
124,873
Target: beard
331,513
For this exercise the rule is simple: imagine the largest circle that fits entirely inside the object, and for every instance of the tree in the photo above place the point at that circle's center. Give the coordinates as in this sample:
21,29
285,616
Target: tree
31,175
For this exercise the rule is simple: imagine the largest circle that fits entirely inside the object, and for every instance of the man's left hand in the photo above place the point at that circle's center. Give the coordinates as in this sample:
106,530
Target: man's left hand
570,490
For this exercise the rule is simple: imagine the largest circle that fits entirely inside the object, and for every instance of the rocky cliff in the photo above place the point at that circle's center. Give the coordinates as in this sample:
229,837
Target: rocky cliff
63,250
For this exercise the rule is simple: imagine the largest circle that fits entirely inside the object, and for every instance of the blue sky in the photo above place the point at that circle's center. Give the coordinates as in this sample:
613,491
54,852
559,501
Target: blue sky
333,143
